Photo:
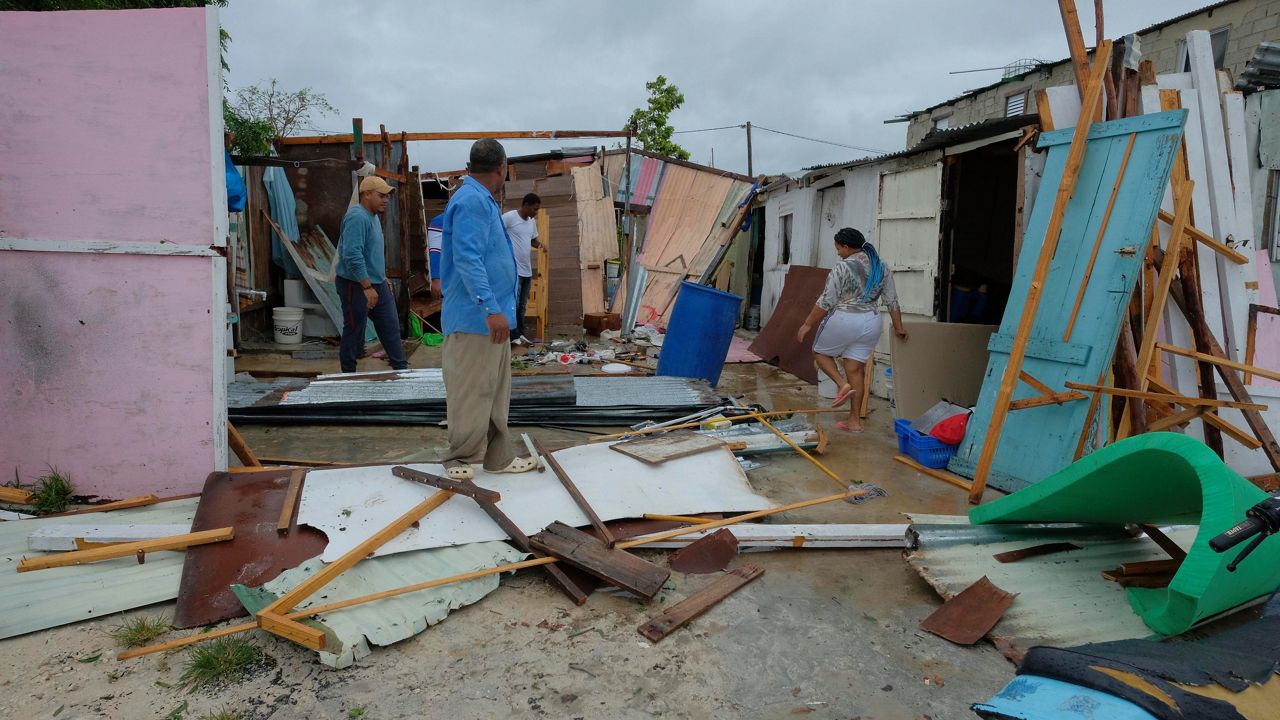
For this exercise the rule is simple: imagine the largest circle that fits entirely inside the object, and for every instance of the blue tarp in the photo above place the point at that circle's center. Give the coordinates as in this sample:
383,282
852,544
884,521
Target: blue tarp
284,213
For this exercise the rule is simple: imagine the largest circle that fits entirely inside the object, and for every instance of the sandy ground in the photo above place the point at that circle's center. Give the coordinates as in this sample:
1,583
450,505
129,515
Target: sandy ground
827,633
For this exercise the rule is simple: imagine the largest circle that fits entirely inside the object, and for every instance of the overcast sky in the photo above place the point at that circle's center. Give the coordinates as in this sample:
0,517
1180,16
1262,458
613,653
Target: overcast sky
828,70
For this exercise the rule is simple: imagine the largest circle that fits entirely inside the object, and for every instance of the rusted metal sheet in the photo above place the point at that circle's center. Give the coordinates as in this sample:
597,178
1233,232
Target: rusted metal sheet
965,618
250,503
706,555
776,343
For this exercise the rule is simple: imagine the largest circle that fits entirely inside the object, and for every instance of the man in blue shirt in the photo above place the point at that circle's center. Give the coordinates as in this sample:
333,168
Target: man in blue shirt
361,279
478,270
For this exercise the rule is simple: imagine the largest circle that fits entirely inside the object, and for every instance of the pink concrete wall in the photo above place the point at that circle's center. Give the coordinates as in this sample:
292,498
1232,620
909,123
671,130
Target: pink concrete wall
109,364
106,126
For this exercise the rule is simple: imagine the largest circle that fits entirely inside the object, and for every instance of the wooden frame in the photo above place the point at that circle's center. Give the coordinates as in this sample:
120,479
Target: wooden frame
1251,340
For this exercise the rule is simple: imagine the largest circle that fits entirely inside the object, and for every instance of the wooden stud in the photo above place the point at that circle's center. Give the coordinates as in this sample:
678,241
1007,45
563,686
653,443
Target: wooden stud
942,475
1070,176
240,447
1042,109
1232,431
699,602
1171,548
140,501
459,487
1079,55
1177,419
290,501
678,518
1220,361
783,436
1094,403
119,550
17,495
1179,399
292,630
1052,399
576,494
1030,379
1208,240
1097,243
590,554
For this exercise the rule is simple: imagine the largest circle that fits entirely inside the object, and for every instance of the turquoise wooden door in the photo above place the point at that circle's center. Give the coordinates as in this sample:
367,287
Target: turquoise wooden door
1038,441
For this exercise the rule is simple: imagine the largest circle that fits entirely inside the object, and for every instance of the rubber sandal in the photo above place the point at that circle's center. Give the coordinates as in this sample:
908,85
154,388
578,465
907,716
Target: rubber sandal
518,465
842,397
461,471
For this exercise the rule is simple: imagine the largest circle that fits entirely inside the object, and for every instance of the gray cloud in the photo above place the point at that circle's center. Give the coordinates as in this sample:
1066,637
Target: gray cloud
830,70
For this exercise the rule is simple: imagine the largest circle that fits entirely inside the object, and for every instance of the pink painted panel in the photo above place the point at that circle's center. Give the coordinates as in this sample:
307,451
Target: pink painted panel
1266,353
106,126
105,360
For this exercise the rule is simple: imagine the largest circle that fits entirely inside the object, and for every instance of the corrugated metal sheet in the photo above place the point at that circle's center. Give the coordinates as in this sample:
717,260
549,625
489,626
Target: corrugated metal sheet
43,599
1062,598
1263,70
643,391
349,632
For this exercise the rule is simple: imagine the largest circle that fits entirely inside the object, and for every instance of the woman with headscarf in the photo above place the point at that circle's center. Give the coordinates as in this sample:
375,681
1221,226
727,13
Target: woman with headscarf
850,320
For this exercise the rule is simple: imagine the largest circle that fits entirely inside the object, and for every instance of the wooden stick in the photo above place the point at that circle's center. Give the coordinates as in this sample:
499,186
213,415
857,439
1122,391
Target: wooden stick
683,426
678,518
577,495
1030,379
290,500
1070,176
304,463
1250,341
17,495
512,567
1094,403
1052,399
1219,361
699,602
1079,55
783,436
1097,243
1179,418
945,477
1210,241
1179,399
81,557
1171,548
240,447
1233,431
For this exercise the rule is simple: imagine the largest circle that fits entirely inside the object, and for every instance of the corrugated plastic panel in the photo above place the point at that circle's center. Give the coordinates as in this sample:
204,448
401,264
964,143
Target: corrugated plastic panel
643,391
1062,598
43,599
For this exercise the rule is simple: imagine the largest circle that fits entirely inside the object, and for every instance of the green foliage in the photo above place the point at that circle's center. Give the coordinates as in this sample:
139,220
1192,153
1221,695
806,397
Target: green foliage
355,712
140,630
653,127
221,662
286,112
248,136
224,713
52,493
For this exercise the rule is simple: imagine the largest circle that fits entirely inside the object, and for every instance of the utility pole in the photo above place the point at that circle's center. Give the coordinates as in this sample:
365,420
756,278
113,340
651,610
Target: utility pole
749,166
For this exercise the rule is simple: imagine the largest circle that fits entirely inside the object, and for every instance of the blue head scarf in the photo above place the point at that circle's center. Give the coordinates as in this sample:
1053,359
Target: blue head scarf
851,238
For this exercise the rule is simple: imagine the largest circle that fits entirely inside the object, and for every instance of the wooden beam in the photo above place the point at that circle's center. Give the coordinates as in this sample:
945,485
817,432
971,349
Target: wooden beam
240,447
1030,379
699,602
1179,399
1209,241
942,475
133,502
17,495
1097,243
290,501
512,567
292,630
1177,419
678,518
1053,399
589,554
1094,403
783,436
576,494
460,135
1043,110
1079,55
1232,431
81,557
1070,176
1219,361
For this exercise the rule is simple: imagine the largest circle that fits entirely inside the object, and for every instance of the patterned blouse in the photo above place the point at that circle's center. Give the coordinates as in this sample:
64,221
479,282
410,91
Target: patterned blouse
846,282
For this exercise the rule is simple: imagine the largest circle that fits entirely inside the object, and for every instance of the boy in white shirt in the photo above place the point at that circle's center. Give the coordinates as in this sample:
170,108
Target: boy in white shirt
522,228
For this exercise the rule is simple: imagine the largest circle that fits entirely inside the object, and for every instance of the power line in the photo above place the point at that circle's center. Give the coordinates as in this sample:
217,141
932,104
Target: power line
724,127
825,142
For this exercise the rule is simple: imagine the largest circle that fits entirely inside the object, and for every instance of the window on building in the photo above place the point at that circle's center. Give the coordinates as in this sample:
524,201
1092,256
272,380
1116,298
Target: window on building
784,247
1015,104
1217,39
942,123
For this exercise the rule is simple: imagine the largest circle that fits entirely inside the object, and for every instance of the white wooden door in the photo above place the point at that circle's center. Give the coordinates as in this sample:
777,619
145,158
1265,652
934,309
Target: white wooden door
907,234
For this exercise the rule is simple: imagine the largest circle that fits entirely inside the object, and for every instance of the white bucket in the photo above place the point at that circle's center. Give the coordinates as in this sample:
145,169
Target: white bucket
287,322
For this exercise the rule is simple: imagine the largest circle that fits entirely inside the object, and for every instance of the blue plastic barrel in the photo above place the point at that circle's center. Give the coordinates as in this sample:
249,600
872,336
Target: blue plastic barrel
699,333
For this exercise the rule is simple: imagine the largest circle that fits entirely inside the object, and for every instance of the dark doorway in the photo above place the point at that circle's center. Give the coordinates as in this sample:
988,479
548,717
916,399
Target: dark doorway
981,188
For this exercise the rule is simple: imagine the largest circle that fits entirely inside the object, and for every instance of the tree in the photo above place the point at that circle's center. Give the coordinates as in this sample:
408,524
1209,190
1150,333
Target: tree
653,129
284,111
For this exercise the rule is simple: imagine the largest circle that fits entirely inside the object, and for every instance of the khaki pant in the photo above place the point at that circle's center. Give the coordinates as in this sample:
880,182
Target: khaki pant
477,382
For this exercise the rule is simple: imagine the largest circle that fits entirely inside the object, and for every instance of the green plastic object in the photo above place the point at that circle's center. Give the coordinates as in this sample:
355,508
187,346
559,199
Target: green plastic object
1157,478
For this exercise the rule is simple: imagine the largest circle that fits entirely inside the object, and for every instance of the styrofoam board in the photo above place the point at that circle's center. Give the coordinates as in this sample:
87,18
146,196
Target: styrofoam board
1241,174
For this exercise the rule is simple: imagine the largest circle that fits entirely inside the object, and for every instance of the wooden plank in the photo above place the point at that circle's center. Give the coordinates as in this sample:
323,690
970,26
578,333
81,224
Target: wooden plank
1209,241
1179,399
1070,176
1097,243
81,557
139,501
1053,399
1034,551
1149,567
574,492
1171,548
241,448
16,495
942,475
659,449
1219,361
290,501
678,518
1043,110
292,630
1231,430
467,489
1179,418
1075,44
591,555
1030,379
698,603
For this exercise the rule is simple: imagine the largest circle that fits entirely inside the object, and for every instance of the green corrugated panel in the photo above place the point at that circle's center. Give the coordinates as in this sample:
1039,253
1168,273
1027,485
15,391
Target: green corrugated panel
1157,478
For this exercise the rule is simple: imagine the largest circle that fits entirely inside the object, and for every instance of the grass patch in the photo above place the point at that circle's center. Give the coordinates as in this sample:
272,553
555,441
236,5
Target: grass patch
221,662
224,714
140,630
52,493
